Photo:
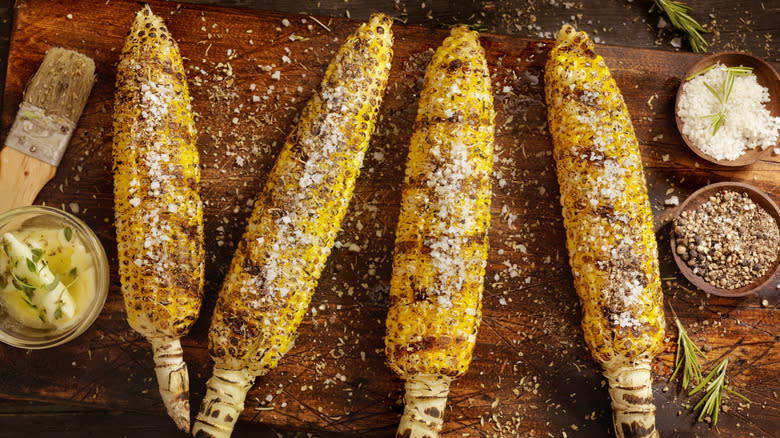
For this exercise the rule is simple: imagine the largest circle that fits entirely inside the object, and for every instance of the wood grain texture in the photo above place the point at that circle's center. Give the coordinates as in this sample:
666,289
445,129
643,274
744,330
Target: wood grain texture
531,373
21,178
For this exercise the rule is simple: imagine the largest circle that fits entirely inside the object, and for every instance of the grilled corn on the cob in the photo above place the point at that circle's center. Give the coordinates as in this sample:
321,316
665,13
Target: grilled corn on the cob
609,226
293,226
441,240
159,218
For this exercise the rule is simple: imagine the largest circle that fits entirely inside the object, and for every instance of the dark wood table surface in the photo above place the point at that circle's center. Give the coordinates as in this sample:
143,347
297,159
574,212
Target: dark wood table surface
752,26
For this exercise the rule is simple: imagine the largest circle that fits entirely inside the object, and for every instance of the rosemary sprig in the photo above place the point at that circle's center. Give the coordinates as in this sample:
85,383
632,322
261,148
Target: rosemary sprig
701,72
687,357
717,120
678,16
715,382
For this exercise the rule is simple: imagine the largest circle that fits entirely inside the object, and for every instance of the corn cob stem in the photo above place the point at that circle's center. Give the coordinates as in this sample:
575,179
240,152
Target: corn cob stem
633,411
173,379
225,391
425,401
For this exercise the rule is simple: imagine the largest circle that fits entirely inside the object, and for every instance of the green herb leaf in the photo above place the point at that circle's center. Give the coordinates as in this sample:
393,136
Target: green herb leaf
37,254
53,285
701,72
28,292
728,85
3,281
73,272
687,357
42,317
715,93
21,281
678,16
715,383
31,265
716,121
58,312
29,303
740,71
68,233
16,284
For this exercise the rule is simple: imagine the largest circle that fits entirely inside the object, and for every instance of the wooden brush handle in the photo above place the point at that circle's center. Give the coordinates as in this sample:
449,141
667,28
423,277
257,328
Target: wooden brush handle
21,178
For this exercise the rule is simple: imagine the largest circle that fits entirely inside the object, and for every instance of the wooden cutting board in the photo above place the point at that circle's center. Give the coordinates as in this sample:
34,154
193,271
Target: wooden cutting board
531,374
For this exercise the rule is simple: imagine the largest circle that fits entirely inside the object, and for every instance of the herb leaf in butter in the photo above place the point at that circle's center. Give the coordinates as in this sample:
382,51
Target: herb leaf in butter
68,233
53,285
58,312
31,266
37,254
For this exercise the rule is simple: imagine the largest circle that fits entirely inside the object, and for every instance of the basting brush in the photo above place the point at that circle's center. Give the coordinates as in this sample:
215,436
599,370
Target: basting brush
53,101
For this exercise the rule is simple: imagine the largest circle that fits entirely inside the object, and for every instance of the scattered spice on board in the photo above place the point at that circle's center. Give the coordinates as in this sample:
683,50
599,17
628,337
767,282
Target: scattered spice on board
729,241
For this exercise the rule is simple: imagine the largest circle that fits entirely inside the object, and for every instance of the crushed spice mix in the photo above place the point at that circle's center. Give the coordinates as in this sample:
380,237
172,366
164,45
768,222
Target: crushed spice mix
729,241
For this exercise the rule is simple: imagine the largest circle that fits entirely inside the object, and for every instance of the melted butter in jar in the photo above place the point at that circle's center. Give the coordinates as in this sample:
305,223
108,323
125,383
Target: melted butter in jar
47,277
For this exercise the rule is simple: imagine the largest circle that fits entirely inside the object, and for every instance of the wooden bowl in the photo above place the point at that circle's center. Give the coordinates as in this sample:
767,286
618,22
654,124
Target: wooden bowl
766,77
701,196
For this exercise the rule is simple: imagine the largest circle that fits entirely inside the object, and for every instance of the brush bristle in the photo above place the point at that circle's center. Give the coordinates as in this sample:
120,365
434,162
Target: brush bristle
62,83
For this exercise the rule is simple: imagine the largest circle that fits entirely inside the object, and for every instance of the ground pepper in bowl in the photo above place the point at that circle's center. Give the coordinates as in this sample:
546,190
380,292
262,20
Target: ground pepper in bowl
729,241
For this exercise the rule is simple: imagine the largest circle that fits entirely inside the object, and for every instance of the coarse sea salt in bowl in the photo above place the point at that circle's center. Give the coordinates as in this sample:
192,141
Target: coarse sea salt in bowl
751,115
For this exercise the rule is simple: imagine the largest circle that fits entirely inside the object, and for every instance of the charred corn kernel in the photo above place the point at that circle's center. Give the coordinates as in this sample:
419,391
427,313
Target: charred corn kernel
609,226
293,226
441,240
159,217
